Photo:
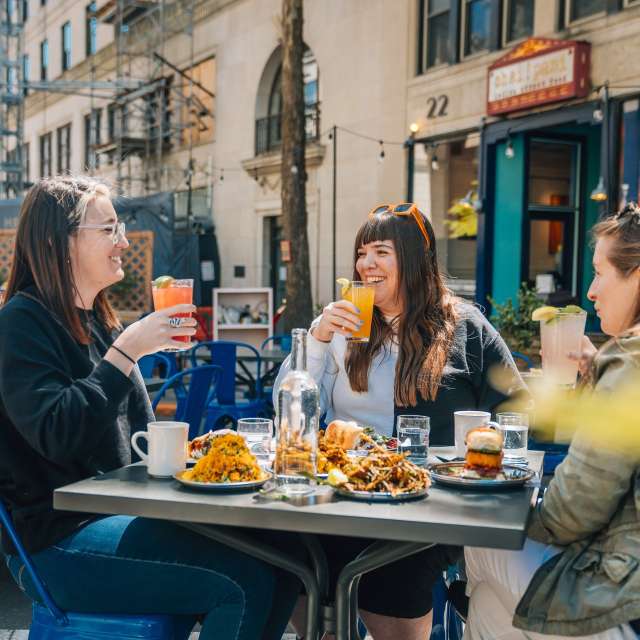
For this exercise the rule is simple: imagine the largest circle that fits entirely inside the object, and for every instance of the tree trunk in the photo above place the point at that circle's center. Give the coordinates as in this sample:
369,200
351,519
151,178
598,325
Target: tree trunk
299,312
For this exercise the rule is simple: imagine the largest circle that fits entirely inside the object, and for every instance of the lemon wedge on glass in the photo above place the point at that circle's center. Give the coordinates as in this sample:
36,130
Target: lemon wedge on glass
544,314
345,287
163,282
336,478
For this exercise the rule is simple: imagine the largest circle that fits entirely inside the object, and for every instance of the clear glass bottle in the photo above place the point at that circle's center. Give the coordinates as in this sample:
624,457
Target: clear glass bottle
297,419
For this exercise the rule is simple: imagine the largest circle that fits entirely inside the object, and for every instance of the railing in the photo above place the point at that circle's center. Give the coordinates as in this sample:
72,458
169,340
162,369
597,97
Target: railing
269,129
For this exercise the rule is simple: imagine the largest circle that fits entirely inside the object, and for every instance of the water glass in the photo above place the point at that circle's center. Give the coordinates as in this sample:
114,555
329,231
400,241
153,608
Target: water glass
514,428
413,438
257,433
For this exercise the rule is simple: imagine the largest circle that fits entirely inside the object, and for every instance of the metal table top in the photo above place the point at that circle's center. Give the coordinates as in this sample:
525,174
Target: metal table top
446,516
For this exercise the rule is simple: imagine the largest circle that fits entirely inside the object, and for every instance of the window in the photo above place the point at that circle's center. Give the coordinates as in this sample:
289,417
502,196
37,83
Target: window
26,72
64,148
434,33
45,155
43,3
579,9
198,116
519,19
477,25
92,125
66,46
269,129
25,10
90,29
44,60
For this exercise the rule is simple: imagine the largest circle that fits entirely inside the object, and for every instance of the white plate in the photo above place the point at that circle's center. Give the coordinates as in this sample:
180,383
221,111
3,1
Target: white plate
223,486
381,496
448,473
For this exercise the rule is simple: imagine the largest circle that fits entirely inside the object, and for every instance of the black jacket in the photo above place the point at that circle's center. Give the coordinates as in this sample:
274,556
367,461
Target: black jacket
65,415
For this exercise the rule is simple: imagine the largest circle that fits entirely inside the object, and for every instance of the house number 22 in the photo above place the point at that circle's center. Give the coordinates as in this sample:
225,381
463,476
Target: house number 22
437,107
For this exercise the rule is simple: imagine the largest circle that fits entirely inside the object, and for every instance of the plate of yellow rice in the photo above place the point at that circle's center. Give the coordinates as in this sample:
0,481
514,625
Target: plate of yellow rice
227,466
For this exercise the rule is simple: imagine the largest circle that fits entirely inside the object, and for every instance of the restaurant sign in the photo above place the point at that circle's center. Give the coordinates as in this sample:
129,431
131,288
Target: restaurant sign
536,72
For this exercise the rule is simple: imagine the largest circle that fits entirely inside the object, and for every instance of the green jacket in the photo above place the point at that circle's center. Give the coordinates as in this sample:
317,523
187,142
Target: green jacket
592,509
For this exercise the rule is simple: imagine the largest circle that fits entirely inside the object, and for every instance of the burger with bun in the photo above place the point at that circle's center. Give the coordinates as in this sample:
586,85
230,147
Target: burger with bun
484,451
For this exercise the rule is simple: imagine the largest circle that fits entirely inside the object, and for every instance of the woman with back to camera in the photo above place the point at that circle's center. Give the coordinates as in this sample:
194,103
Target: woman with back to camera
429,353
70,396
579,572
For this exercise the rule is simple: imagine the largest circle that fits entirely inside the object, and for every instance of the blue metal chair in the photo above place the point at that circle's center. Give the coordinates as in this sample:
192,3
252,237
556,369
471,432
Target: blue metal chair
51,623
283,341
165,363
526,360
200,384
223,404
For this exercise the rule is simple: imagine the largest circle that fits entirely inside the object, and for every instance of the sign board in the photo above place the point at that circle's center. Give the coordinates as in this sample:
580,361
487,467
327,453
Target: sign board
537,72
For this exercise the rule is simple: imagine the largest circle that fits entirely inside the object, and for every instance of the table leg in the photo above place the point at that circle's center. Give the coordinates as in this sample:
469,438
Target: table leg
235,539
374,556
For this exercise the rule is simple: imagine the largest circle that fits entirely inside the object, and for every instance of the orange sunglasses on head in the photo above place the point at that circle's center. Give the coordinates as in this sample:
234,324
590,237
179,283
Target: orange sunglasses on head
403,209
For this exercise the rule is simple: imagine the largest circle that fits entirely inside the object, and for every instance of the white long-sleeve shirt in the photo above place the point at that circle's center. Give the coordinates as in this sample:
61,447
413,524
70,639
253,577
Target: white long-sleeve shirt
326,364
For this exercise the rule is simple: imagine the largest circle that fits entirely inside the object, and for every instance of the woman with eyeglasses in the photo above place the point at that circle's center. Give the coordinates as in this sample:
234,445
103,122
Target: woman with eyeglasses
578,575
429,353
70,397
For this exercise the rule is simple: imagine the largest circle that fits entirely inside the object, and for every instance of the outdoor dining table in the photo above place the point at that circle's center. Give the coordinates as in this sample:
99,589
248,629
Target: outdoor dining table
447,515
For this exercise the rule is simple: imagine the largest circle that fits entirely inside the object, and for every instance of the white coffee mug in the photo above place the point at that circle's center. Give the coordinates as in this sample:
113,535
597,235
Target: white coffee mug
464,421
167,446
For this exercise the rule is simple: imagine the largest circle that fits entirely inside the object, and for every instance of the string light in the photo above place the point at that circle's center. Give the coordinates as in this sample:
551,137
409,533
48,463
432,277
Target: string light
435,165
221,175
381,154
509,151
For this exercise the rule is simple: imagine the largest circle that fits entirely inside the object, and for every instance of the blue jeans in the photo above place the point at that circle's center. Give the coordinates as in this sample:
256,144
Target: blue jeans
122,564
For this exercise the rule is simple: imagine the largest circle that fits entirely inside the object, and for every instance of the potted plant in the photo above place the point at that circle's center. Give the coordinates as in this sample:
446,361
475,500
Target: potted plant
513,321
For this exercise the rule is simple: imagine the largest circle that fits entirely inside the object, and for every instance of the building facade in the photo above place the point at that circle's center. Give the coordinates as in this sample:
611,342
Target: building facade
184,97
539,158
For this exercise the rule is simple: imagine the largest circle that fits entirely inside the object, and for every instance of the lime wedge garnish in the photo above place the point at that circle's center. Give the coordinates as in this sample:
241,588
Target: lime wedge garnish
544,314
345,287
163,282
573,308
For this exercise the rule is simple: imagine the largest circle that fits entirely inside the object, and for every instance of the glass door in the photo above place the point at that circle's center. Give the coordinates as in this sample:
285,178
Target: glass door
551,245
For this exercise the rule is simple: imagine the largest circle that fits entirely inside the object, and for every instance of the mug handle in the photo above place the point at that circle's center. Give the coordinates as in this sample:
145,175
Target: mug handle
136,448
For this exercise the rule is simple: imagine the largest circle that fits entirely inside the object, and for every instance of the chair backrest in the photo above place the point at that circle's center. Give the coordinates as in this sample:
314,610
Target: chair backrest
202,382
147,365
47,600
224,353
283,341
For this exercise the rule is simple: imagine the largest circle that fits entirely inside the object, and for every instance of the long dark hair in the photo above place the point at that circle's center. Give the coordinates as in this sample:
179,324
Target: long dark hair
50,214
624,231
427,323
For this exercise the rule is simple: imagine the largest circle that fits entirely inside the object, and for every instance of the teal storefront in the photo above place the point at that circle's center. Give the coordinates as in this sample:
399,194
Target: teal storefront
537,176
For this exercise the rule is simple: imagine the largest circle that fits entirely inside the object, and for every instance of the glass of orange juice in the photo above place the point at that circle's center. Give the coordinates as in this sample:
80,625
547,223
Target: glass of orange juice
361,294
167,292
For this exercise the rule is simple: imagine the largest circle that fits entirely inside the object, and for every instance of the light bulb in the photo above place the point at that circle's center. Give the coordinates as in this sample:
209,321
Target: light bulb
435,165
598,116
509,151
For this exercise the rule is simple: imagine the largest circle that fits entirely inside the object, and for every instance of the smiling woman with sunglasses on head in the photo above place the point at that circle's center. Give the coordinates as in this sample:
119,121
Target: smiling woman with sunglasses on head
428,353
70,396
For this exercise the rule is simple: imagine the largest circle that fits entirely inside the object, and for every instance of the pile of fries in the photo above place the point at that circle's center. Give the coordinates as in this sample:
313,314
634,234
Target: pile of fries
384,471
330,455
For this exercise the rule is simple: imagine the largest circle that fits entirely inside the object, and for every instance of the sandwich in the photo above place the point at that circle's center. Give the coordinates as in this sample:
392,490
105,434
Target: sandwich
484,451
343,434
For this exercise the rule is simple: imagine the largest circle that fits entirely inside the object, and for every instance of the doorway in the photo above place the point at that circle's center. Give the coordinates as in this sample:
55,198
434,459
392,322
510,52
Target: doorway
550,256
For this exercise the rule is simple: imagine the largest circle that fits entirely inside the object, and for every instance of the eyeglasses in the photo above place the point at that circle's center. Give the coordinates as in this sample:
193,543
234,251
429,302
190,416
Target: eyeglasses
403,209
117,229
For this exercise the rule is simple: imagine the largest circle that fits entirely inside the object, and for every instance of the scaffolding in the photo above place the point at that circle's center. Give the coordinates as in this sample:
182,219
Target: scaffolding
146,123
11,100
153,104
